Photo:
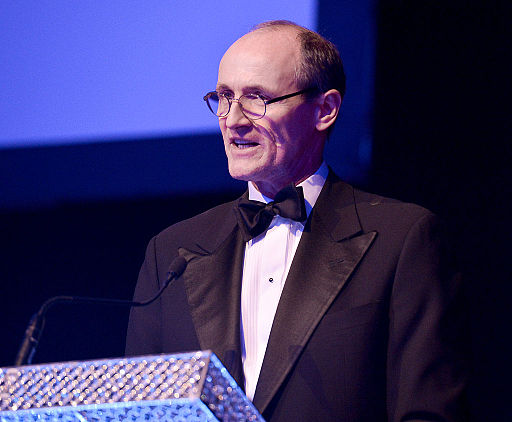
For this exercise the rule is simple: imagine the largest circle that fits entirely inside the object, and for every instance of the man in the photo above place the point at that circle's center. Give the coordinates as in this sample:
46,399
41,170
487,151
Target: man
338,310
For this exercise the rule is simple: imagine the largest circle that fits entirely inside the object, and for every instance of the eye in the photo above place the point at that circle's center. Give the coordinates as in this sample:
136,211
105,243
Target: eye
257,96
226,94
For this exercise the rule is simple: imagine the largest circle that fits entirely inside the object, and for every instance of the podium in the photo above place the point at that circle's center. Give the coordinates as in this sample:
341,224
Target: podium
180,387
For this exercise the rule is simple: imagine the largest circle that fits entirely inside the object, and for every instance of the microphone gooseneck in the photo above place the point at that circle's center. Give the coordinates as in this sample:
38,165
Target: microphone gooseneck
35,327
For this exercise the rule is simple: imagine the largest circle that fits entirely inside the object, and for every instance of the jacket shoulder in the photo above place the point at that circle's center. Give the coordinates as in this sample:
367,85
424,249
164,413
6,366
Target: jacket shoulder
212,224
371,202
373,210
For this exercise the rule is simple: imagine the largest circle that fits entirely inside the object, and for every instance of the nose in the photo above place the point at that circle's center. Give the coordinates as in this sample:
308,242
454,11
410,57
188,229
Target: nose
235,117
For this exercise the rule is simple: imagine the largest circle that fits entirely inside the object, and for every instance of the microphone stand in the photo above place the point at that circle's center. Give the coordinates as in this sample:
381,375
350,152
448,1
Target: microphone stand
36,325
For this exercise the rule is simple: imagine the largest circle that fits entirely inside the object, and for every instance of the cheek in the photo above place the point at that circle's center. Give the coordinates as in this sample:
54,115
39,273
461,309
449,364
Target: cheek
285,137
225,140
222,127
278,134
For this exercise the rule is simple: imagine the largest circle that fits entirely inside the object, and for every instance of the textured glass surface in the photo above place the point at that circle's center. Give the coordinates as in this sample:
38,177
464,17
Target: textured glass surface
185,387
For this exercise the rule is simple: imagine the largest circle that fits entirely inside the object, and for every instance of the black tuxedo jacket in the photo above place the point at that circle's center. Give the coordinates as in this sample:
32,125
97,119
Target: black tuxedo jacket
365,329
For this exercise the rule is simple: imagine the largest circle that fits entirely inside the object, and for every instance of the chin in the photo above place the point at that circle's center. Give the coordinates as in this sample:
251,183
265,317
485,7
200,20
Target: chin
240,175
239,171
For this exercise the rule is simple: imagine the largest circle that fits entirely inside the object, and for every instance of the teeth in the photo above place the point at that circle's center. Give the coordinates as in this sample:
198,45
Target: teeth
242,144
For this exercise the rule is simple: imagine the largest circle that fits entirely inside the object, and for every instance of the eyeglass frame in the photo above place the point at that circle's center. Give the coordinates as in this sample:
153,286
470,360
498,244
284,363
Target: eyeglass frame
266,102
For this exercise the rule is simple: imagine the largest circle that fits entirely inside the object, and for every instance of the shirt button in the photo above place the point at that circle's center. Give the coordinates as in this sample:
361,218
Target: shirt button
271,279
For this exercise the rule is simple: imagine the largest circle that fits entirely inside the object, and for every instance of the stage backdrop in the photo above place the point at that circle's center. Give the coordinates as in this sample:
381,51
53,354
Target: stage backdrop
104,99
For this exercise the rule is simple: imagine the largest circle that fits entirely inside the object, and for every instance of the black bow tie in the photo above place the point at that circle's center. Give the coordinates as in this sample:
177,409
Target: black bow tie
254,217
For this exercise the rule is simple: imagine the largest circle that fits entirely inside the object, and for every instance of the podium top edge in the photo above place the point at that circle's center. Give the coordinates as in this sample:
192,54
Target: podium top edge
197,354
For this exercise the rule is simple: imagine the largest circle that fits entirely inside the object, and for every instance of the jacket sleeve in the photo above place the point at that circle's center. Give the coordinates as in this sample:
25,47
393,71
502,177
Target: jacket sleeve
426,372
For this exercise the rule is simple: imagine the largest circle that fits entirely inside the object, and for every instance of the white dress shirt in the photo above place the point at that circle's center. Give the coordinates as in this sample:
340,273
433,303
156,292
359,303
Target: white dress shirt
268,258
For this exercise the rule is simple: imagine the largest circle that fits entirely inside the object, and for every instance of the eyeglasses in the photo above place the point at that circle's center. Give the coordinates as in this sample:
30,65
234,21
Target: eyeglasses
253,106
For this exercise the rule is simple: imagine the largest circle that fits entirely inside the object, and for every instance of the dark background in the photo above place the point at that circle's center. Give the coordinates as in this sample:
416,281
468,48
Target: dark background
441,139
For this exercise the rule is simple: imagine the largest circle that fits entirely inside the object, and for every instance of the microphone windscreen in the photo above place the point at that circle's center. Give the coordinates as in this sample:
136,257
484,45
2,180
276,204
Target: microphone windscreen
177,267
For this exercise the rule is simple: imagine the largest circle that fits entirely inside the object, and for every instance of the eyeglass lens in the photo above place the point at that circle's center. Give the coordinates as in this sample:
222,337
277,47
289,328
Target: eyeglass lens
252,105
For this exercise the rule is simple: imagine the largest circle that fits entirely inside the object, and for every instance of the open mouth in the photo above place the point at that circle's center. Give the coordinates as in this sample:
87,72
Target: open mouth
242,144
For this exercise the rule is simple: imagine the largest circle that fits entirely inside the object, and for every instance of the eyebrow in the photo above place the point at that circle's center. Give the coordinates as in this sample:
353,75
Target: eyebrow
222,87
246,89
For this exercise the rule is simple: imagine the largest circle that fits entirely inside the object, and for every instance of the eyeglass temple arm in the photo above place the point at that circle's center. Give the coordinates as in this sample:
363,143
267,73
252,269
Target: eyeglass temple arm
284,97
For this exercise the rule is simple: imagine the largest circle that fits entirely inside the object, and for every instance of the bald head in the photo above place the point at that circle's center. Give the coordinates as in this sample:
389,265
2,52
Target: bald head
265,53
320,63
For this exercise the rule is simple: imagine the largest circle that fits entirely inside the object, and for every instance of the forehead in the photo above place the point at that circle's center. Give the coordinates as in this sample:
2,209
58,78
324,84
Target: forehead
266,58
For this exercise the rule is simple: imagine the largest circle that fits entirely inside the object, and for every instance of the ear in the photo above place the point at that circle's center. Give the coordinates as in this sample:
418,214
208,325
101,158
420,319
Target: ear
329,104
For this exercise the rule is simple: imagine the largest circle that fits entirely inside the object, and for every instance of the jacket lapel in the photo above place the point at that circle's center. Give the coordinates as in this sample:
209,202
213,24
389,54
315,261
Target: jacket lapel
213,285
331,247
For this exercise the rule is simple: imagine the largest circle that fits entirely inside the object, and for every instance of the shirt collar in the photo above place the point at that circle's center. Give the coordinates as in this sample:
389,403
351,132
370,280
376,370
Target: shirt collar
311,187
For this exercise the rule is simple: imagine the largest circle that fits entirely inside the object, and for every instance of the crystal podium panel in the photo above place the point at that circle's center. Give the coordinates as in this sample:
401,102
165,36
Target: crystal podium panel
183,387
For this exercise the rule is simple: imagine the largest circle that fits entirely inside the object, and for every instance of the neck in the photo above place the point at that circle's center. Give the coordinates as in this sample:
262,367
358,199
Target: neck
270,189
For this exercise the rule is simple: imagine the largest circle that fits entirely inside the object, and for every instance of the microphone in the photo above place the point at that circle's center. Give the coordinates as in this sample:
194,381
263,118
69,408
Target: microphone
35,327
